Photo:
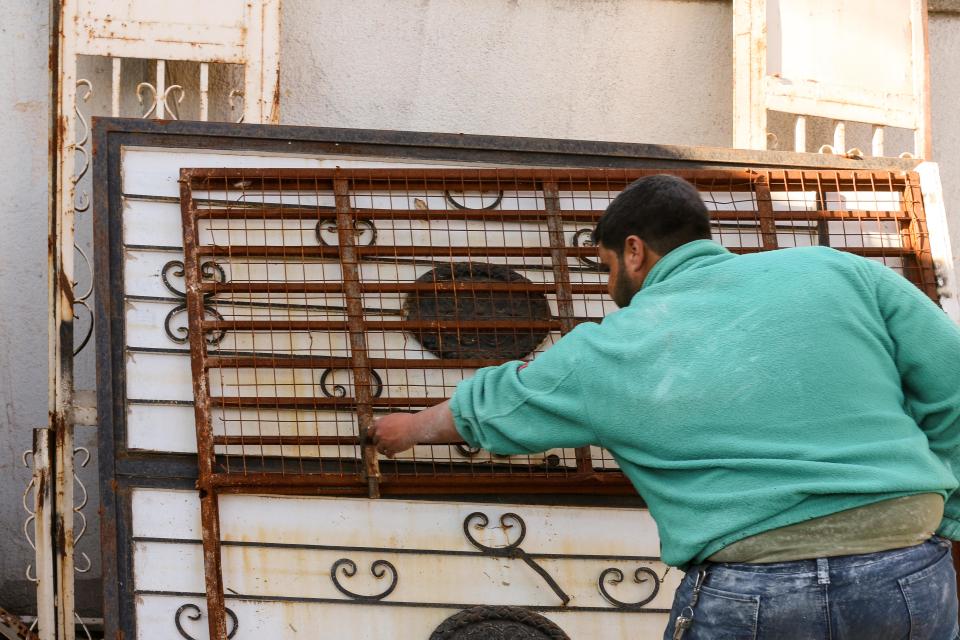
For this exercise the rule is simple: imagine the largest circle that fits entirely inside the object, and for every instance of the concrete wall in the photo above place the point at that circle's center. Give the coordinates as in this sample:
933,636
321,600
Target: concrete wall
944,95
623,70
637,70
23,274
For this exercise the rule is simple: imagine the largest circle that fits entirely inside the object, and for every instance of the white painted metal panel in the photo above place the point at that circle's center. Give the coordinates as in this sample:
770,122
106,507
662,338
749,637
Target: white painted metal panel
158,427
156,171
284,590
159,376
296,621
939,235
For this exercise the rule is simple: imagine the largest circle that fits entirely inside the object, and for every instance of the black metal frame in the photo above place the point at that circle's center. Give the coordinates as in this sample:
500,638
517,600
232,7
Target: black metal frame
122,470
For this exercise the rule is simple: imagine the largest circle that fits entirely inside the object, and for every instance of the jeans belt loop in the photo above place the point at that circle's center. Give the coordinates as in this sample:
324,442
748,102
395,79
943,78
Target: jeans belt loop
823,571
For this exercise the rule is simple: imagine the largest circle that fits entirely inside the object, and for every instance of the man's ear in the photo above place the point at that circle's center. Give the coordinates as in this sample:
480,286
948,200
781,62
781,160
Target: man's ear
635,254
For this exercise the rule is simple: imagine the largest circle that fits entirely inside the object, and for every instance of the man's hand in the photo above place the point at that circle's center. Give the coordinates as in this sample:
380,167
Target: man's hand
394,433
399,431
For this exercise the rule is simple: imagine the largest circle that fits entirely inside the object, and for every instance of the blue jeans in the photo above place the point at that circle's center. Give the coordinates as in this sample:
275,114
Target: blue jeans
908,593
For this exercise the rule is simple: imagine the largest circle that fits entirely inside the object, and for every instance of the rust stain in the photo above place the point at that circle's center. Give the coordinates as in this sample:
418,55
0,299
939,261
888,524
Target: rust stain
13,622
59,537
66,289
275,108
42,482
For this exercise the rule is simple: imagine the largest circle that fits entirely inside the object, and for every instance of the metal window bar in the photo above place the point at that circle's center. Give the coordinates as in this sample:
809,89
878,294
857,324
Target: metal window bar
321,298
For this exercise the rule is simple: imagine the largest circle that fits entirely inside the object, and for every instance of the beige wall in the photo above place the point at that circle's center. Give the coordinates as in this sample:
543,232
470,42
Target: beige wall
625,70
945,107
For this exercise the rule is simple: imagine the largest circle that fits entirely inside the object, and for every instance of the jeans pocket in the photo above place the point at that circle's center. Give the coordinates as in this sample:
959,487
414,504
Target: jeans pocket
931,597
721,614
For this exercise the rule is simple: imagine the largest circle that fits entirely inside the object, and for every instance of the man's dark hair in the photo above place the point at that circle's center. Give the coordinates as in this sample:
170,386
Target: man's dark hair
664,211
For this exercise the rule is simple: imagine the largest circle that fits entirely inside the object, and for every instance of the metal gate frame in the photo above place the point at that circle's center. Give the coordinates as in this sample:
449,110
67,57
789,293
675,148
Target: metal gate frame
122,470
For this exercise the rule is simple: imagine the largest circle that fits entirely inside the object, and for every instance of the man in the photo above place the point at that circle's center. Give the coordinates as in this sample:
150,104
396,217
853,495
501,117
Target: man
791,418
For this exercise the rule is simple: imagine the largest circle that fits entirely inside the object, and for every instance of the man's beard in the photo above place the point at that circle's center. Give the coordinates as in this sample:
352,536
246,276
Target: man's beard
623,290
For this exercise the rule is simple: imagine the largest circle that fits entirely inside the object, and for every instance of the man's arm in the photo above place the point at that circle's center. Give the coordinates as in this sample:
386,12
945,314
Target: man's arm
511,409
926,349
399,431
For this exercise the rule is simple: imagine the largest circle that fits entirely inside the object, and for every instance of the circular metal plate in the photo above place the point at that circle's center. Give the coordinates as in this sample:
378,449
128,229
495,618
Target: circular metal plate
458,306
498,623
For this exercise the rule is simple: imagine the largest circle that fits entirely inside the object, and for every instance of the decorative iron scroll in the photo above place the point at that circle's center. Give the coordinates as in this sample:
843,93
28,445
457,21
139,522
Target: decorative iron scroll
613,575
379,569
584,238
361,227
209,270
512,550
498,623
467,451
82,198
459,205
340,391
196,615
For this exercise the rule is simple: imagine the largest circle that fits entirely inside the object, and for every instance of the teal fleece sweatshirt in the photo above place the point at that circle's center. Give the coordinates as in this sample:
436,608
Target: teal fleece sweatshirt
744,393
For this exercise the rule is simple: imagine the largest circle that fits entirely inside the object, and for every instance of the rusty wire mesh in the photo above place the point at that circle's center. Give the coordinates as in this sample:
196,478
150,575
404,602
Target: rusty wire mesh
321,299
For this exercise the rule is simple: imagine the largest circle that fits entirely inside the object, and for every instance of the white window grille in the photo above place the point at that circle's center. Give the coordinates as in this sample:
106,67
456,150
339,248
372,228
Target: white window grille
834,74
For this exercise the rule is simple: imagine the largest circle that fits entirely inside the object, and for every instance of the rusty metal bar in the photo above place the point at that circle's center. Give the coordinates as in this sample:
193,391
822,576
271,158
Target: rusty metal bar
379,325
500,215
768,227
13,623
848,179
561,279
264,441
733,180
823,226
43,509
217,179
464,483
316,402
209,502
434,252
916,242
217,288
311,214
285,251
335,362
349,263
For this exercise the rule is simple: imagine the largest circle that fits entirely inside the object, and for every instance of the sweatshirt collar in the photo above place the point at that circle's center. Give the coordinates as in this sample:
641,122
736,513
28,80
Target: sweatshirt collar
683,258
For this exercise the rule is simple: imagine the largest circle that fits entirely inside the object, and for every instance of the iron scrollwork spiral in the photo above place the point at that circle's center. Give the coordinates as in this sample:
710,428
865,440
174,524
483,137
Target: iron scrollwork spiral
82,198
479,520
335,390
467,451
379,569
613,575
459,205
361,228
209,270
196,615
584,238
